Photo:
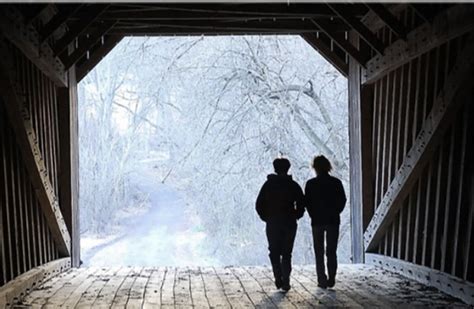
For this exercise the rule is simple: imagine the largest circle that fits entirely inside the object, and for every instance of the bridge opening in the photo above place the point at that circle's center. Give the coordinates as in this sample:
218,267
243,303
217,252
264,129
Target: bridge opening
177,135
409,70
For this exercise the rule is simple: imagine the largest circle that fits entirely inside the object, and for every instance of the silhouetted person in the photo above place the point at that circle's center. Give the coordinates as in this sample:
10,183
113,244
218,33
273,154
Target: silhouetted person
325,199
280,205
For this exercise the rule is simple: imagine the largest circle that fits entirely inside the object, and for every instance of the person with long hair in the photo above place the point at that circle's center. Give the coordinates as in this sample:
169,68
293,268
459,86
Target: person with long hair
325,200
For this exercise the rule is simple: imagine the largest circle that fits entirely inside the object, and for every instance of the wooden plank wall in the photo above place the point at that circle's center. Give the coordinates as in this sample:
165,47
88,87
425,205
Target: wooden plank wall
25,238
433,226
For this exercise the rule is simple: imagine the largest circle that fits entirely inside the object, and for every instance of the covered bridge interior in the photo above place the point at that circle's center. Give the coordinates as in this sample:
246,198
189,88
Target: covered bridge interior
410,81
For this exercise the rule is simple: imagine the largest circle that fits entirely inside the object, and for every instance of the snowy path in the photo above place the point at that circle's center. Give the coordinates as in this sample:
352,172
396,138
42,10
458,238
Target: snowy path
163,236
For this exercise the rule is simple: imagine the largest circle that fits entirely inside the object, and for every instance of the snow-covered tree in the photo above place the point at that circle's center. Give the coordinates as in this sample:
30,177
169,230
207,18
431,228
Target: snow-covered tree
219,110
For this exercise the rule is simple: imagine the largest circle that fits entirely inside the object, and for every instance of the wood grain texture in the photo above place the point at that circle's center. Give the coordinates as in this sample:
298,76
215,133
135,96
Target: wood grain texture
357,286
451,23
444,109
26,38
21,122
443,281
14,290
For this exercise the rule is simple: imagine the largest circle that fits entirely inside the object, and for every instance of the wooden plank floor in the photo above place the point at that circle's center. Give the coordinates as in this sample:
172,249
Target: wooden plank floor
229,287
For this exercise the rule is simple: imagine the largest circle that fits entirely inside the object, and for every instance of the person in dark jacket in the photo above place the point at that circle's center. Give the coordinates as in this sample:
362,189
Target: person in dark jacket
280,205
325,199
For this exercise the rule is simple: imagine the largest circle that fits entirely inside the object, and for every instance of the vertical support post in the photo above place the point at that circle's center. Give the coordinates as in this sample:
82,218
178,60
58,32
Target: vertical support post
360,147
355,158
69,162
366,126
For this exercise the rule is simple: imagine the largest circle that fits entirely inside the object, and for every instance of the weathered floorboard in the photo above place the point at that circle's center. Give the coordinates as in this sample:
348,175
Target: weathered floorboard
358,286
152,295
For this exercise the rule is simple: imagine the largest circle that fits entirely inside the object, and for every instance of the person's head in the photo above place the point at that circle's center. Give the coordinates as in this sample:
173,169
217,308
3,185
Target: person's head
281,166
321,165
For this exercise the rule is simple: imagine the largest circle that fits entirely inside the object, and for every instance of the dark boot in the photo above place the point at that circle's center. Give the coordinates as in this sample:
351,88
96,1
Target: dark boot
278,283
331,282
277,273
286,271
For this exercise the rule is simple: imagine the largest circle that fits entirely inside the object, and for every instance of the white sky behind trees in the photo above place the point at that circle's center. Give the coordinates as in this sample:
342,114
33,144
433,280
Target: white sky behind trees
208,115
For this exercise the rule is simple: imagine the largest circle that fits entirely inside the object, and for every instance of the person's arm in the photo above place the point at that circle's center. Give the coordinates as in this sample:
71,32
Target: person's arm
260,204
307,200
299,201
341,196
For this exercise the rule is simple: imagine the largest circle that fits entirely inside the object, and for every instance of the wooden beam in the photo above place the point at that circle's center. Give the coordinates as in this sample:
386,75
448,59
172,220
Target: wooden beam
180,15
423,11
86,44
467,260
325,51
13,291
355,146
365,33
69,162
36,12
449,24
181,10
286,26
360,142
93,13
207,31
58,20
28,143
342,42
96,56
443,111
444,282
367,98
372,21
388,18
25,38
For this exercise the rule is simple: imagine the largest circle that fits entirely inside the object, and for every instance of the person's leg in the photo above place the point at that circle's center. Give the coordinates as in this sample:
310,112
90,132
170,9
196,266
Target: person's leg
287,250
318,241
273,232
332,236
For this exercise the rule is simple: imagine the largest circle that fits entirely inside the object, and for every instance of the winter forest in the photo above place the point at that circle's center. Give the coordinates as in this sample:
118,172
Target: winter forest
178,134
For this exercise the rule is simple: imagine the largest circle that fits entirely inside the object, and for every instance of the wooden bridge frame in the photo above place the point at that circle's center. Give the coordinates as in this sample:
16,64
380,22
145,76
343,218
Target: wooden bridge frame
410,76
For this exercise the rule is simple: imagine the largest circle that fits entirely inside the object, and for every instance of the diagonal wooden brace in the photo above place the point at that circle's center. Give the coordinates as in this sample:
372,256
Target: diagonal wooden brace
449,24
26,139
443,111
326,52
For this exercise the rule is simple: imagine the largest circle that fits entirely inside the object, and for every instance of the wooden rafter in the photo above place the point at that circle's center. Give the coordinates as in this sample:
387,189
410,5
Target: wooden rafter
36,12
423,11
167,15
208,31
445,282
365,33
26,139
444,109
58,20
388,18
295,26
449,24
25,38
96,56
93,13
288,23
244,9
342,42
86,44
325,51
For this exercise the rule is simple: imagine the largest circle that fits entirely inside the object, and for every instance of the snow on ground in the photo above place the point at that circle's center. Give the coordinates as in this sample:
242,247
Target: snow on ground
165,234
91,241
